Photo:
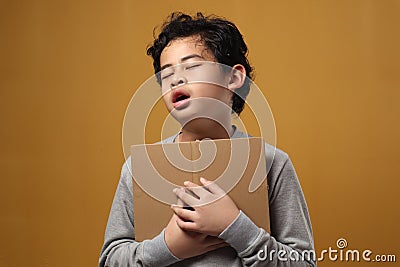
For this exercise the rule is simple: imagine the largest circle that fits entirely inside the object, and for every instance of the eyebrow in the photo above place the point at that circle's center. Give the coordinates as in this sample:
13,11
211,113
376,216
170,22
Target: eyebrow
183,60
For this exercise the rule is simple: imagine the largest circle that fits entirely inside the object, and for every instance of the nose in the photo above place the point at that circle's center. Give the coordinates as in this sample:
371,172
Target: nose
178,80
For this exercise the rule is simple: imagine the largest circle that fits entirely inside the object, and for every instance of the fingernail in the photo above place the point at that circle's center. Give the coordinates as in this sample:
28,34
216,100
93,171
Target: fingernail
203,180
186,183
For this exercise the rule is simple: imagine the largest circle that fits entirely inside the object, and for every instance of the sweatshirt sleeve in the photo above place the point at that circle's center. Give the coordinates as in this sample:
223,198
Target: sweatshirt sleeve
120,248
290,242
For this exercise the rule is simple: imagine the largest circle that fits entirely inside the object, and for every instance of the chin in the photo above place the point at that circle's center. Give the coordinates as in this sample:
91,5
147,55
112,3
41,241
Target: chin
184,116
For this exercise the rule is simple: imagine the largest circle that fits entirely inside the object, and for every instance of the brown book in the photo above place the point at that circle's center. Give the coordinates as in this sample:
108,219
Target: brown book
159,168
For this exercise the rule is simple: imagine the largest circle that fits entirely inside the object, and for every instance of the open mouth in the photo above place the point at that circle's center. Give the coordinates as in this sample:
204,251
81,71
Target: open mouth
179,98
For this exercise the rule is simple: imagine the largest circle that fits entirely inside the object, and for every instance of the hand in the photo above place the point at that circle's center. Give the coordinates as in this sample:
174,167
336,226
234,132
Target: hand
186,244
213,210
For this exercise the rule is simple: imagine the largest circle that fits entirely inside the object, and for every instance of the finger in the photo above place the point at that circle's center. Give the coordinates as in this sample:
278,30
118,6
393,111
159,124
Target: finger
212,186
186,215
187,226
180,203
190,192
199,190
186,197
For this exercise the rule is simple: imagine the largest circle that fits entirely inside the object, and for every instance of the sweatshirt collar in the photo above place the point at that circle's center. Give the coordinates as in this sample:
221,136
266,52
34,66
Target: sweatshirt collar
236,134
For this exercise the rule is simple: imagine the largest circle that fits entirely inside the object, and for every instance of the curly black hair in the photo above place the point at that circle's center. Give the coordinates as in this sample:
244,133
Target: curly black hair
220,36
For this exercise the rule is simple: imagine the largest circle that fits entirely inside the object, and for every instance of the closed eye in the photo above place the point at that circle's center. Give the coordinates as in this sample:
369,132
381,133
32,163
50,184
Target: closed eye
166,76
193,66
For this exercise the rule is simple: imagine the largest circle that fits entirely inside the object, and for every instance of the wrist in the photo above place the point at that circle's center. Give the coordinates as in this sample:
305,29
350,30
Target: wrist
232,218
168,242
157,251
242,233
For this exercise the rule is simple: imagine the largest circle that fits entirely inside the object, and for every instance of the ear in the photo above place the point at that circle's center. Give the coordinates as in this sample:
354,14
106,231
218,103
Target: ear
237,77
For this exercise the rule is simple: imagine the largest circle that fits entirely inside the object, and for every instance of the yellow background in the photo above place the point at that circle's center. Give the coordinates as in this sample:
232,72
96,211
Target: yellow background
329,69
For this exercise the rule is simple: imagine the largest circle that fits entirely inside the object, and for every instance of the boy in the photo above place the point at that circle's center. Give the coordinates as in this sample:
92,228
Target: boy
216,234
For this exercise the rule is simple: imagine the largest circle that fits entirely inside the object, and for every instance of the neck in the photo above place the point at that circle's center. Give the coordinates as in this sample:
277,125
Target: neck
196,130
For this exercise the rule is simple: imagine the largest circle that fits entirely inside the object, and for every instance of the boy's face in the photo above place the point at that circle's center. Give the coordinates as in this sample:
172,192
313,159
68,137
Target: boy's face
186,60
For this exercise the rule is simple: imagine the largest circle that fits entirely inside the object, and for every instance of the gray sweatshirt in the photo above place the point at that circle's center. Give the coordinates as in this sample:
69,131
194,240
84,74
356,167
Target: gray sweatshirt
249,245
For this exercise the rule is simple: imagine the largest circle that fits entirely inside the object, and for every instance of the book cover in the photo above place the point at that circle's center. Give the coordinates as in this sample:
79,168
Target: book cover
232,163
